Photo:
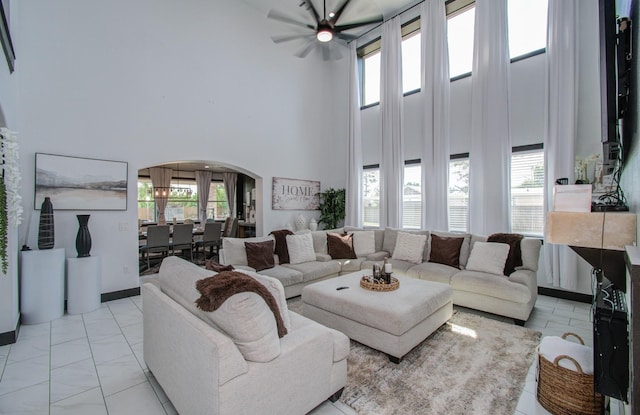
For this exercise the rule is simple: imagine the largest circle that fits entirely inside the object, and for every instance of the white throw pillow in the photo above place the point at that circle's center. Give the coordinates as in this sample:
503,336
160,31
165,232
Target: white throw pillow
409,247
364,243
488,257
300,248
277,291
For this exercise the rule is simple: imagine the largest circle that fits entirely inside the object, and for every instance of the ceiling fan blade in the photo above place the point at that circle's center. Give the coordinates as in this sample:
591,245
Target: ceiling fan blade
287,38
335,53
306,49
276,15
345,36
339,11
312,10
326,52
340,28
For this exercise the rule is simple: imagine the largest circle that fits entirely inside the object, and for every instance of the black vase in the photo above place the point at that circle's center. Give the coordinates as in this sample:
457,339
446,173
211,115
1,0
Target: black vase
83,240
45,229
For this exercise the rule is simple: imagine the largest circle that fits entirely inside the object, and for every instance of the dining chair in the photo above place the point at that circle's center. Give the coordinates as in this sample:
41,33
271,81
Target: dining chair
182,239
211,238
157,241
230,227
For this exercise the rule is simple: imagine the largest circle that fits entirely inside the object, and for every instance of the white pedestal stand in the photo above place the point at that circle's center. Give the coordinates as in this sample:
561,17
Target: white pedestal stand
41,285
84,284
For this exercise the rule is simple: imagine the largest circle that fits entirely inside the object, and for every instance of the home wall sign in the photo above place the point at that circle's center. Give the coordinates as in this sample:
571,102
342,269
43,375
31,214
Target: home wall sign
294,194
75,183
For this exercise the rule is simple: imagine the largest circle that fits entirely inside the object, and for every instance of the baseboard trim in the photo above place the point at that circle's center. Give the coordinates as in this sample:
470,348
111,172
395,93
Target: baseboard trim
116,295
10,337
566,295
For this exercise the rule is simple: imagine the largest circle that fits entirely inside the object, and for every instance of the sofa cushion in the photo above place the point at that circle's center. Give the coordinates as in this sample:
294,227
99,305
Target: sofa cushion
286,276
260,255
409,247
277,291
514,259
445,250
348,265
432,271
314,270
490,285
235,252
319,242
300,248
530,248
177,279
488,257
340,245
465,249
364,243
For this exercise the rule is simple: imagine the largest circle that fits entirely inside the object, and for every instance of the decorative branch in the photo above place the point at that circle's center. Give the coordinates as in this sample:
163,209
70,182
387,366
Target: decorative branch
11,165
3,226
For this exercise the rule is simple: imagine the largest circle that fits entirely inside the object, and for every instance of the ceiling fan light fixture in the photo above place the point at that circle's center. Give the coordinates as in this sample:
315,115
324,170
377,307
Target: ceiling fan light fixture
324,35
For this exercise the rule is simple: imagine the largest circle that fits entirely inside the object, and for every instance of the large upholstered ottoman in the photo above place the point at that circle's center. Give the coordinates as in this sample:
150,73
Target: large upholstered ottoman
393,322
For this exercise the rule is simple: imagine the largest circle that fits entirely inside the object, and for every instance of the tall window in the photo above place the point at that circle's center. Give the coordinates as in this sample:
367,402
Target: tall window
371,78
527,26
459,193
217,205
412,196
460,39
527,190
371,196
183,201
146,205
411,62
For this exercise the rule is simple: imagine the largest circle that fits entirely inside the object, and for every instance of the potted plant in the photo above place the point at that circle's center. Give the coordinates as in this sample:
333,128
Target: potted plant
332,207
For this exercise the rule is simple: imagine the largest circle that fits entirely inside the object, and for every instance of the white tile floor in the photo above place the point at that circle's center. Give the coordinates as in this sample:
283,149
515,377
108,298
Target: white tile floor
93,363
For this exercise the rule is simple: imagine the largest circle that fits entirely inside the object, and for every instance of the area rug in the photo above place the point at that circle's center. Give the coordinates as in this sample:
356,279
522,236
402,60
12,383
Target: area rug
470,365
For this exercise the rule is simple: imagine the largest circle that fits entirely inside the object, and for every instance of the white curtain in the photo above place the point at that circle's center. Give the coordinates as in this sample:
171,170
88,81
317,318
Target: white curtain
230,180
561,125
435,92
203,183
354,167
490,157
161,178
392,152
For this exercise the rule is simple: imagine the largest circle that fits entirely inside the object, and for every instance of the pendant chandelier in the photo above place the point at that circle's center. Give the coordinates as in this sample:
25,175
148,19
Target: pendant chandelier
173,191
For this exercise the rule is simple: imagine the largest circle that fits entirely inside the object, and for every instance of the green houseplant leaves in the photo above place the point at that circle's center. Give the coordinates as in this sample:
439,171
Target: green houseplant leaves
332,207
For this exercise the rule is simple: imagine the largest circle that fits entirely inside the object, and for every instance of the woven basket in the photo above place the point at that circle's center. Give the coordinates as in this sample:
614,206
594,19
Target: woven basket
562,391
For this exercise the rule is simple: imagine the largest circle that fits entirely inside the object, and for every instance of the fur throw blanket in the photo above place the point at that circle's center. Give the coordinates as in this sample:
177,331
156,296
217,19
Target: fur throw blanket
215,290
281,245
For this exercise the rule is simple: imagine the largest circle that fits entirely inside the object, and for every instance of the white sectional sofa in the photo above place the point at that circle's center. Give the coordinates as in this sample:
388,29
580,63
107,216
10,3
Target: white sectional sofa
205,370
511,295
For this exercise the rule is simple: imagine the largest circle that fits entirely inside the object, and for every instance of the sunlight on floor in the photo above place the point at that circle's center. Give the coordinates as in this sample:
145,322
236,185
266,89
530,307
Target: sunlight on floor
465,331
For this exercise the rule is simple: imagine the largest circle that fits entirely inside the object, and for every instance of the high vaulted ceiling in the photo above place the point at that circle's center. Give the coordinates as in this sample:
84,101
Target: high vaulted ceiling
357,10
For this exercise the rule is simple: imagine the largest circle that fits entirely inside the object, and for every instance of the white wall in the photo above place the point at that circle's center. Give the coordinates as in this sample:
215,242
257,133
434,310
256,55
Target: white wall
154,81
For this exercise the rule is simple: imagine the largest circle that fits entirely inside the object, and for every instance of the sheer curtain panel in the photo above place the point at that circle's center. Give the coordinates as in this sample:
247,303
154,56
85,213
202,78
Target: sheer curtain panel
561,125
230,180
490,157
203,182
392,151
435,93
161,178
354,167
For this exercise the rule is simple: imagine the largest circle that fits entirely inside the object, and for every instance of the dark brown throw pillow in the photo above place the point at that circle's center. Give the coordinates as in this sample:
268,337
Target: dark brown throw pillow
281,244
514,259
340,246
260,255
212,265
445,250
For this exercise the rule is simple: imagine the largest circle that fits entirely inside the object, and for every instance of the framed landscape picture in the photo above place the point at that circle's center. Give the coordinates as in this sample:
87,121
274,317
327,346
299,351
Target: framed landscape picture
295,194
75,183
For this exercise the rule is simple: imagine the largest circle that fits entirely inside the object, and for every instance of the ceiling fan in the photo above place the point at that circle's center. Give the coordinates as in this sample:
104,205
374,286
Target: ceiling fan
323,32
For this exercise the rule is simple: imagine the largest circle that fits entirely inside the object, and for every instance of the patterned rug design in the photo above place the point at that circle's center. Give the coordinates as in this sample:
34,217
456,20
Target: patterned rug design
470,365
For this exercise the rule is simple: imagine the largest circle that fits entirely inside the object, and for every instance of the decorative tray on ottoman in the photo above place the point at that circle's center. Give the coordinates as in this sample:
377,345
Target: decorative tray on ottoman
379,286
